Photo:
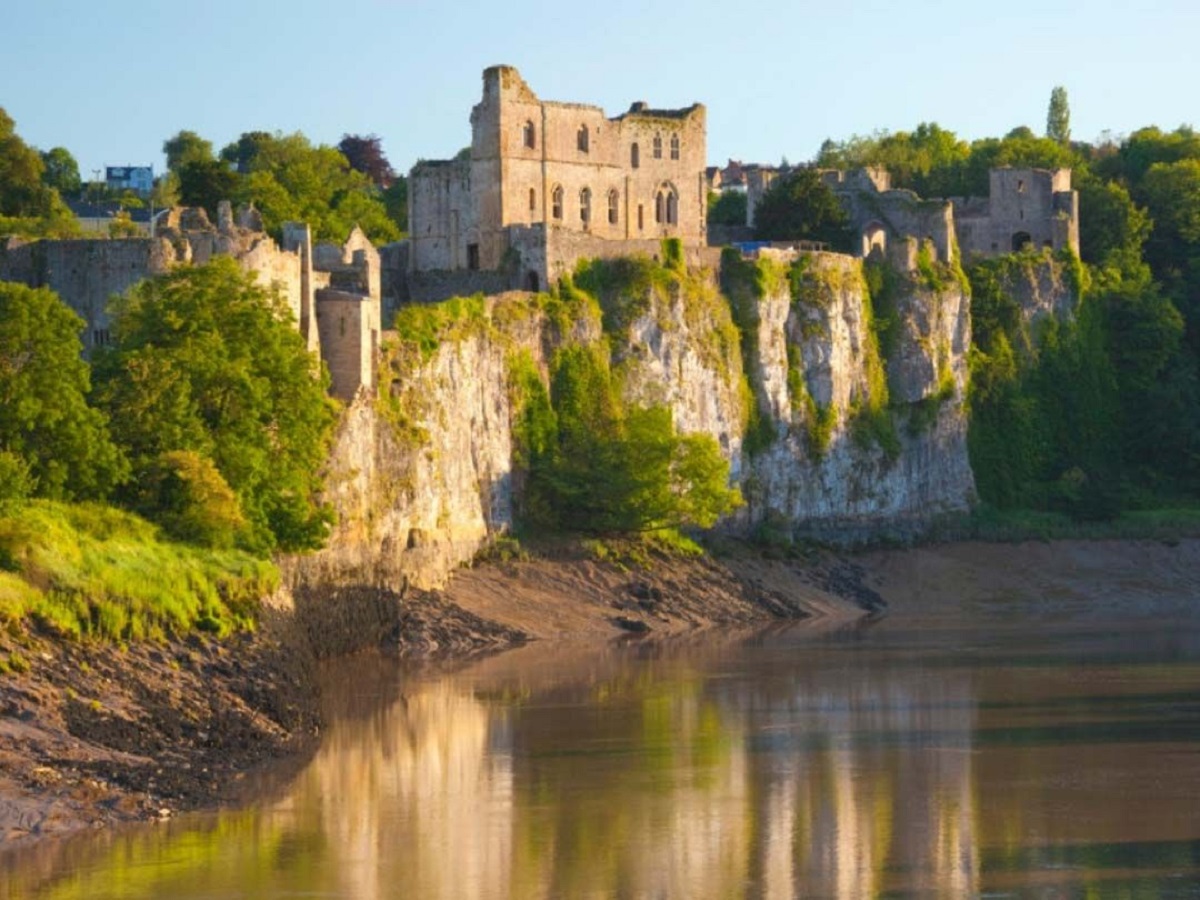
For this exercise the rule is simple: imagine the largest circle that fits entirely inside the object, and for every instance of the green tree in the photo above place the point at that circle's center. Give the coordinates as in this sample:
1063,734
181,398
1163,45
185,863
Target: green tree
596,467
28,206
395,201
45,420
207,360
61,171
727,208
1058,117
1112,228
186,147
800,206
288,179
207,183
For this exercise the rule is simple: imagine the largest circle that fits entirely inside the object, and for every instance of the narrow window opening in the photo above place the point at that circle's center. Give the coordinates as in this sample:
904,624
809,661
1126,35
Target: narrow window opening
641,217
530,136
582,139
473,257
556,203
614,201
532,282
532,200
585,206
672,208
658,146
634,157
674,146
1020,186
659,208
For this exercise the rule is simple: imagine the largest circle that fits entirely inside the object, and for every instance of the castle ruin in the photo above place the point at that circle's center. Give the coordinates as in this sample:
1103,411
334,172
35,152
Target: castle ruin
1024,209
545,183
332,291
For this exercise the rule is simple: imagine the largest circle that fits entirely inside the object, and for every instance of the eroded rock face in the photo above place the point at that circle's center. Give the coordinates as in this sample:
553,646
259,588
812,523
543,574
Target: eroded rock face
822,371
421,483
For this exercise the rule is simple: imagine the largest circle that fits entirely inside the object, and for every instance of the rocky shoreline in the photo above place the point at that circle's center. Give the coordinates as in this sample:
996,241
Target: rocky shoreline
97,734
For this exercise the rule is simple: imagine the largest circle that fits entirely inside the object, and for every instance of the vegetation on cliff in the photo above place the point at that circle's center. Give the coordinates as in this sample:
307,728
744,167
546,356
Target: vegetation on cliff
90,571
220,409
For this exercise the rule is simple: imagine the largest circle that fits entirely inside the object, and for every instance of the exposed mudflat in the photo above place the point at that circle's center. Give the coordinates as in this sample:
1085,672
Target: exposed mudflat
95,734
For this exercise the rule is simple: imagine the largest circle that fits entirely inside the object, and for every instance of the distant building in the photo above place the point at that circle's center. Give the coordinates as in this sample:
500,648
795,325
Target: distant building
139,179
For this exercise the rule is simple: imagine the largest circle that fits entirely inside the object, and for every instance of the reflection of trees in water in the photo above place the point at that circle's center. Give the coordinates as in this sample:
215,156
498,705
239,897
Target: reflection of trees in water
417,794
655,780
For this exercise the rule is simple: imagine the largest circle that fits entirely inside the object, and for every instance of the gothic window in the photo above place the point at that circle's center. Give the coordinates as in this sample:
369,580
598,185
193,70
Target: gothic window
582,139
674,146
530,136
659,207
635,157
532,200
585,206
614,200
556,203
672,208
658,146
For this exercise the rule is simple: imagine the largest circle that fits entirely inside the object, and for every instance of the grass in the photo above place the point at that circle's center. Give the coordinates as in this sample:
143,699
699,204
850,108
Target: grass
93,572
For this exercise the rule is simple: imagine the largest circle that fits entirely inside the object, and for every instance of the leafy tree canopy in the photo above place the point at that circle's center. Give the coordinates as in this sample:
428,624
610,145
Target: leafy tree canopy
1058,117
186,147
61,171
45,420
365,154
28,205
595,466
800,206
727,208
207,361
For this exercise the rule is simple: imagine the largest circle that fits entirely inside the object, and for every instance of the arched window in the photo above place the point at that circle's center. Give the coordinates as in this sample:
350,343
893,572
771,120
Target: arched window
635,157
658,146
532,200
660,205
582,139
674,146
614,201
530,135
585,206
641,217
672,208
556,202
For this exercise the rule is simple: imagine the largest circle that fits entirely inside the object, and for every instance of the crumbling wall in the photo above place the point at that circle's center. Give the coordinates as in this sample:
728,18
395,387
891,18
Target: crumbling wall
1025,209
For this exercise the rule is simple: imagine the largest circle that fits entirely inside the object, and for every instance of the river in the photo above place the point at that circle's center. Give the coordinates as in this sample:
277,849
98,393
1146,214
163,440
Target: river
1014,746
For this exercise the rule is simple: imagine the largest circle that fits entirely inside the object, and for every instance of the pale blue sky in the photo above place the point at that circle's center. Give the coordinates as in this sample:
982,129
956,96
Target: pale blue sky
111,80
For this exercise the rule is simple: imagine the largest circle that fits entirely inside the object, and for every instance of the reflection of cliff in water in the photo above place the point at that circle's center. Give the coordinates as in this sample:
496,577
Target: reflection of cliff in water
655,779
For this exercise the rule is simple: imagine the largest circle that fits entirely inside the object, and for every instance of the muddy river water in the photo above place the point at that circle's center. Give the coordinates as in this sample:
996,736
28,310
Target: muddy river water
1008,748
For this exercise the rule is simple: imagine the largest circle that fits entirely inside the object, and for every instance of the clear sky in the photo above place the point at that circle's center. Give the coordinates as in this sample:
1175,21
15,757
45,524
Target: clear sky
110,80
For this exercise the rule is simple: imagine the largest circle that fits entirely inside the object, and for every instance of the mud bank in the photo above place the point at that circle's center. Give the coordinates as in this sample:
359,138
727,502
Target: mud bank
95,734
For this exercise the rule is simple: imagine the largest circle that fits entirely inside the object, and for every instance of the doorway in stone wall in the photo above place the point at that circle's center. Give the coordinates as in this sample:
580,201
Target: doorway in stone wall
1021,241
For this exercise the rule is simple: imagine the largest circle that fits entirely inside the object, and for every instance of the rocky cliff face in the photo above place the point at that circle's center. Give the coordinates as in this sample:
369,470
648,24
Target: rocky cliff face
837,415
864,400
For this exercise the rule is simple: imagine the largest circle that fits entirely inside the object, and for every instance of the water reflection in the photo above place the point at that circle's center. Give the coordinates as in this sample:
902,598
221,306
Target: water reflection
884,764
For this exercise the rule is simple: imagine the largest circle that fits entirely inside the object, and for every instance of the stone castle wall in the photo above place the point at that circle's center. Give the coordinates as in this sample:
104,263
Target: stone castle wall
638,176
1025,207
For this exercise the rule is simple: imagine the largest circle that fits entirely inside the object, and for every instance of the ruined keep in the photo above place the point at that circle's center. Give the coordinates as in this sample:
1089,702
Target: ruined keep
333,292
545,183
1025,208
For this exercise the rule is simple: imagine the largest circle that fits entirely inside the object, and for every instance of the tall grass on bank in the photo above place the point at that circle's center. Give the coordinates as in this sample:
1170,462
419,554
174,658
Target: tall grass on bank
91,571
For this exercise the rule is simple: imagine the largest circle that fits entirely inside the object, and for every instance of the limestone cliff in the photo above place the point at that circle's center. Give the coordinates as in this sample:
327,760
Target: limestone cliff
837,414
